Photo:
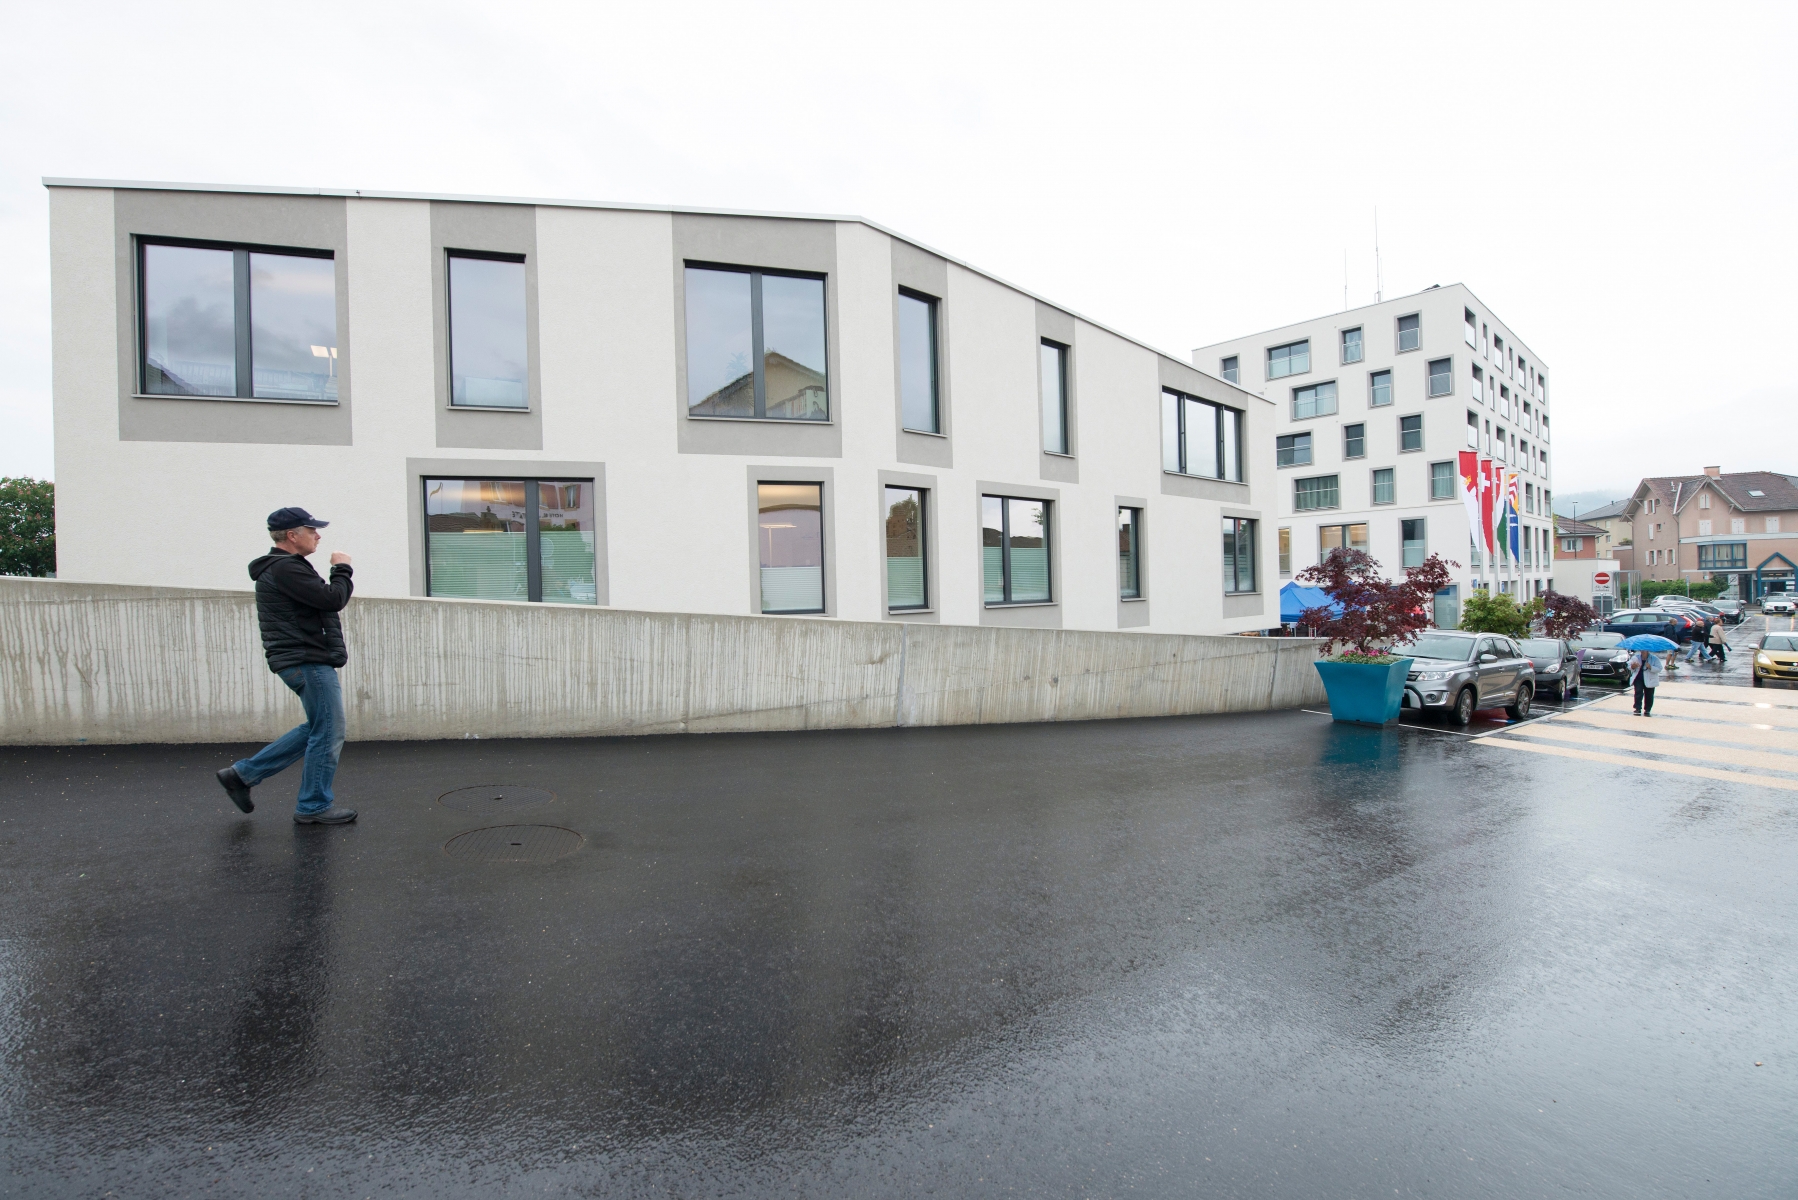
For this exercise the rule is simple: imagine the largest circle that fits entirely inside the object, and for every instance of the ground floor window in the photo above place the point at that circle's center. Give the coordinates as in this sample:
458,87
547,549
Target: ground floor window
1447,613
1239,555
1723,556
1130,553
511,539
790,520
1340,537
1014,550
907,586
1285,552
1413,545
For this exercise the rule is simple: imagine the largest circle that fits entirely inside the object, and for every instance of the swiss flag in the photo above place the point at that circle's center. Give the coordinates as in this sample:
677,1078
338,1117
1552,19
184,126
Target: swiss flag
1488,495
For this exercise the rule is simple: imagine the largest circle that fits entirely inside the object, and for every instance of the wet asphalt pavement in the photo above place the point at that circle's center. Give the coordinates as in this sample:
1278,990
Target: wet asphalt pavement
1256,955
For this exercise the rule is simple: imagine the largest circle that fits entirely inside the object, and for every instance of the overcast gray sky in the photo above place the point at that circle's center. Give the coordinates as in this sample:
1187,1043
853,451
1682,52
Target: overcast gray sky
1616,181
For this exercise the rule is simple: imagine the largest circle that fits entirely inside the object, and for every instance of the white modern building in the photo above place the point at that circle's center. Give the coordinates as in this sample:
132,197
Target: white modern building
638,407
1373,407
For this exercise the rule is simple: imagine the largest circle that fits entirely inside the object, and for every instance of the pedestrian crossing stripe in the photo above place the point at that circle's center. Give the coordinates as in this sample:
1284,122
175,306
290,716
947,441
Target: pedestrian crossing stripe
1653,741
1758,736
1670,768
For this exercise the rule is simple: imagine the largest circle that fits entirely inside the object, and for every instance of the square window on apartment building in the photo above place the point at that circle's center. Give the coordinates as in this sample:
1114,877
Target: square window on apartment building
233,322
1473,431
918,406
1410,332
1292,450
1054,383
1351,345
1570,545
1294,358
1229,369
511,539
1239,555
488,342
1410,433
1340,537
1318,400
1471,328
1379,389
756,345
791,521
1200,438
1500,454
1285,550
1308,495
1130,553
1383,487
1442,379
1413,546
908,584
1442,481
1014,540
1354,441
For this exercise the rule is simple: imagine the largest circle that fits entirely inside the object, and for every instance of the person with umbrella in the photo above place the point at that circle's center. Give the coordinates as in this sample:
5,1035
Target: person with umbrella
1644,668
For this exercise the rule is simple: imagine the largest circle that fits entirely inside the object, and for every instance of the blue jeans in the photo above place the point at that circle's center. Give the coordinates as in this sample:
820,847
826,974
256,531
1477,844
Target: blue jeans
319,741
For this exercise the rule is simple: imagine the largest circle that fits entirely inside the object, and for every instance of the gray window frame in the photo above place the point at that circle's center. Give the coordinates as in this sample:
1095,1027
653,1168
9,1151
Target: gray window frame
1449,471
1229,369
1180,398
1267,362
1349,439
824,579
1399,331
1423,523
1360,345
934,305
1402,448
1335,487
1448,376
1373,487
533,531
1292,459
1005,551
1242,535
242,342
449,327
757,349
1373,394
1062,354
1135,512
923,544
1335,400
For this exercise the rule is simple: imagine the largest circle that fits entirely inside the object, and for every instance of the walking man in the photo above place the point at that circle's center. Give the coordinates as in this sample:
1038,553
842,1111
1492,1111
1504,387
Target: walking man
303,641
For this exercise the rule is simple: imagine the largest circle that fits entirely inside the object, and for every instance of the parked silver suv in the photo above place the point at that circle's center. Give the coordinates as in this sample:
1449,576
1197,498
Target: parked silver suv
1457,673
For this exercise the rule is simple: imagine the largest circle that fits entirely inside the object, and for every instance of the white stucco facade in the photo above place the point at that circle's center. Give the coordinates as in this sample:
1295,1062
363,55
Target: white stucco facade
676,493
1496,387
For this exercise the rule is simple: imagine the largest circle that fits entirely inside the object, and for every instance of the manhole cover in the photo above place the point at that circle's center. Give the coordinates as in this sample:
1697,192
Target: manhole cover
514,843
495,798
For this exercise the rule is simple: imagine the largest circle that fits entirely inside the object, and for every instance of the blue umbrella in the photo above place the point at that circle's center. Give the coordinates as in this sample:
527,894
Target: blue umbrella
1654,643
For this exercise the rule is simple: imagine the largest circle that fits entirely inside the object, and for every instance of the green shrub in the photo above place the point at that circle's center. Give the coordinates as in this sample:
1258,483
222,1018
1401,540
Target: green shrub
1697,589
27,527
1494,612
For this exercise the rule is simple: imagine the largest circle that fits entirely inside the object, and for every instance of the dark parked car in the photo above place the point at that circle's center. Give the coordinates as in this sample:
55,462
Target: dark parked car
1731,610
1600,659
1557,667
1456,673
1631,621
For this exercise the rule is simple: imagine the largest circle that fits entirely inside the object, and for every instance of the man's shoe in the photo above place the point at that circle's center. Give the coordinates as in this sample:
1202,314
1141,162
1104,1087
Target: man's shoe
329,816
237,789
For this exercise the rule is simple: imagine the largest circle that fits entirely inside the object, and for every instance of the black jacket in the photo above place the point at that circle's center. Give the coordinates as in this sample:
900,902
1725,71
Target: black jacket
298,611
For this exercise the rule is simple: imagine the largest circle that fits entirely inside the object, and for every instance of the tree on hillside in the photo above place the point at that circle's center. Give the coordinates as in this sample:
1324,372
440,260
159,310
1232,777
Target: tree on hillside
27,527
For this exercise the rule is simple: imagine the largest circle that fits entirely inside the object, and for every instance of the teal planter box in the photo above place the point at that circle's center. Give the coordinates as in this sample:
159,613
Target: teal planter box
1365,693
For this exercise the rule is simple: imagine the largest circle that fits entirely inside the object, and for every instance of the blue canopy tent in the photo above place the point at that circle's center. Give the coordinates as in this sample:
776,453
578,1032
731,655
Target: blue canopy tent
1294,600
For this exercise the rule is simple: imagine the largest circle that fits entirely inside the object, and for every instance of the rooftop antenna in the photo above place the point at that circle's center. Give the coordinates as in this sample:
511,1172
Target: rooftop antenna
1379,283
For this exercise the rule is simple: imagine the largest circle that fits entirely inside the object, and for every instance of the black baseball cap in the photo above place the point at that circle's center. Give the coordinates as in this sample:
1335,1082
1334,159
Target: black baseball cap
293,518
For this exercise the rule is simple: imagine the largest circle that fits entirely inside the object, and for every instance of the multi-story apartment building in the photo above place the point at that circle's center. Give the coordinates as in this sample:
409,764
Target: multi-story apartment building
638,407
1372,408
1741,528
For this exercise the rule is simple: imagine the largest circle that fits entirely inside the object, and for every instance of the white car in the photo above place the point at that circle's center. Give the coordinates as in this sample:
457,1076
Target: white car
1779,602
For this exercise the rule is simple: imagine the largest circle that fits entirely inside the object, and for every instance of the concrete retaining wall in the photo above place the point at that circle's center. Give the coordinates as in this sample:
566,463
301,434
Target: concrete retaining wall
111,663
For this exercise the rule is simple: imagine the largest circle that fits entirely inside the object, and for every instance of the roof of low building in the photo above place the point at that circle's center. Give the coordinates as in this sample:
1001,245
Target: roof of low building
1568,527
1605,512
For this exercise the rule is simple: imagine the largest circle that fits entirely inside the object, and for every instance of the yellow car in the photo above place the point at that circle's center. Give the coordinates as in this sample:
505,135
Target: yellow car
1776,658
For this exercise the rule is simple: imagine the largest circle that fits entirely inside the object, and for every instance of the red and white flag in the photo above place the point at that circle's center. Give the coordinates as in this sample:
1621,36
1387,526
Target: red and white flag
1488,496
1470,491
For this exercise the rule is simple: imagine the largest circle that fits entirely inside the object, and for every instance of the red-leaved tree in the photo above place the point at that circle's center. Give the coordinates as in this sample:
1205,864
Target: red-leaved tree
1377,613
1566,616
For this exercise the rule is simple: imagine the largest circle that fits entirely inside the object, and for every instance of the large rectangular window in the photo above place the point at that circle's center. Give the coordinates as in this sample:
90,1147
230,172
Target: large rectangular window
1229,369
907,583
1379,389
1410,433
1442,380
1442,481
511,539
1294,358
1723,556
1200,438
1413,546
756,345
1341,537
1053,357
918,403
1130,553
1239,555
1292,450
790,520
1318,400
237,322
1351,345
1384,489
489,355
1311,494
1014,550
1410,332
1354,441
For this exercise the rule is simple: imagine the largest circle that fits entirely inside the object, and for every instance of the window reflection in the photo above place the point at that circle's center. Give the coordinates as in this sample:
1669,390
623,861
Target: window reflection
488,343
293,326
566,542
475,529
730,373
190,342
1129,570
905,548
720,329
791,526
917,364
1015,549
793,347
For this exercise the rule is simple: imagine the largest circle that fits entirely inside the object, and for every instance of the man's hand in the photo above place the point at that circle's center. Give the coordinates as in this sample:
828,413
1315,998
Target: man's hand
338,556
